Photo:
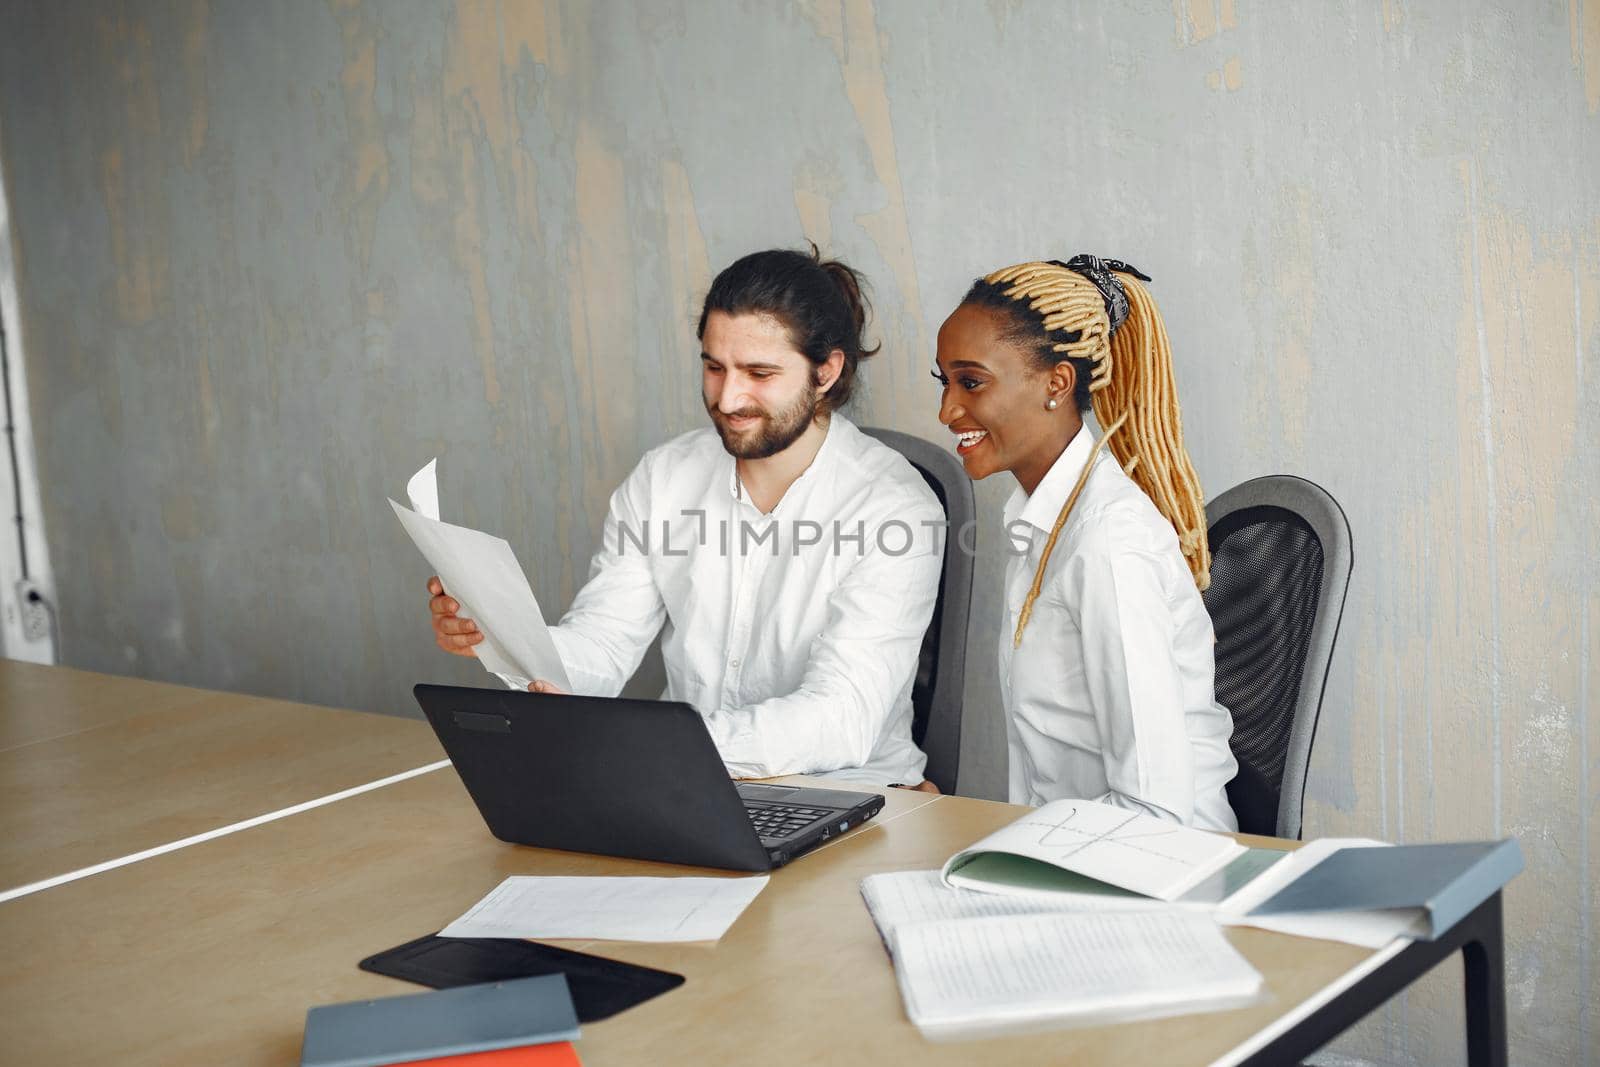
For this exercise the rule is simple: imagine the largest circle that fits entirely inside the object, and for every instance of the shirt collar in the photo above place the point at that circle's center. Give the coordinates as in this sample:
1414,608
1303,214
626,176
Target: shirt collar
1043,508
824,454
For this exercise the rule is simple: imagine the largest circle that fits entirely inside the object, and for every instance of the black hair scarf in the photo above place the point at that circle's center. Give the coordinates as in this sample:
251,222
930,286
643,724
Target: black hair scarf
1099,271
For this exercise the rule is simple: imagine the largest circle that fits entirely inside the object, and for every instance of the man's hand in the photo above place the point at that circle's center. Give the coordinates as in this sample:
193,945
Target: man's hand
452,633
539,685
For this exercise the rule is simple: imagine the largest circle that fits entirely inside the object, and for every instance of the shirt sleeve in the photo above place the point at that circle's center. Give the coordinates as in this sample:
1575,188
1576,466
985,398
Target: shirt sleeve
860,663
607,630
1127,634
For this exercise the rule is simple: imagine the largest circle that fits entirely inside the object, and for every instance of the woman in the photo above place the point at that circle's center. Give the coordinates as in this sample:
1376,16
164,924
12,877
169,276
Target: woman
1106,662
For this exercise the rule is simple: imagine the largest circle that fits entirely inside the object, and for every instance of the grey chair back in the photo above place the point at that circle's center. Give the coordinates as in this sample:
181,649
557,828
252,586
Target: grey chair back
942,668
1280,566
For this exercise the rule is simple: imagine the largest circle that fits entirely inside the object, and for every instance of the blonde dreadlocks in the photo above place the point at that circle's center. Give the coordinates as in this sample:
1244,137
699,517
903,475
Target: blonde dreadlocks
1106,316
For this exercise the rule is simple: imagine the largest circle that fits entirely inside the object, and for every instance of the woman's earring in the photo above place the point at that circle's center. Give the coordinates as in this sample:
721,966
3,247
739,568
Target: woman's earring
1051,403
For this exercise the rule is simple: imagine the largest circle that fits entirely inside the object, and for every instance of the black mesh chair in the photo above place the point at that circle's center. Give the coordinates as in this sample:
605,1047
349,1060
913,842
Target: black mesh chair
1280,565
942,668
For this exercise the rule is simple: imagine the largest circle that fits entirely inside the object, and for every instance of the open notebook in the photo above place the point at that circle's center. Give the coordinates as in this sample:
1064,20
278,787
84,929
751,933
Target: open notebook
973,964
1081,847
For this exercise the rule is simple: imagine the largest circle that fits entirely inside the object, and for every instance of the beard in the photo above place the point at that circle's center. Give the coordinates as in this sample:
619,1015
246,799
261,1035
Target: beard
775,432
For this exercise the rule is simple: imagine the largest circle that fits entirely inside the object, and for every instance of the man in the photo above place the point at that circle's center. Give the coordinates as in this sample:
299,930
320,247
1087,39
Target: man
793,560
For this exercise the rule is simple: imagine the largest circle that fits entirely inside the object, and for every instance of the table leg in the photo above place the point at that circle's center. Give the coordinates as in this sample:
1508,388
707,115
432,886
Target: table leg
1483,956
1479,938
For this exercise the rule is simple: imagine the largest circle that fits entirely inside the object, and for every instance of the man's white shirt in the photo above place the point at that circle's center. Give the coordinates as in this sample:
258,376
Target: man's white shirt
1110,696
795,633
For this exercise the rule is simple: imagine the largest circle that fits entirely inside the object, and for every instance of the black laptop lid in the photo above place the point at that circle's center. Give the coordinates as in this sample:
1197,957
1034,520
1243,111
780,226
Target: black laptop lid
634,778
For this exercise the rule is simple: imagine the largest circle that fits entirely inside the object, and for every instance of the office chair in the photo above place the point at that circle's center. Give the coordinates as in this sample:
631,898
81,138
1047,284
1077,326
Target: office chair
936,694
1280,566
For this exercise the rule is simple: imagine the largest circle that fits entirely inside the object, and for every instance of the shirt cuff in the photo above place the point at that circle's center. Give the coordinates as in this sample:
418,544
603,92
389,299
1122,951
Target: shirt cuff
739,745
585,680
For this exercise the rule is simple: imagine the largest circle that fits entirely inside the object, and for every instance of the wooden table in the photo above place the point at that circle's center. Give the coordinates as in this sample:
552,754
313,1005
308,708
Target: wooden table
211,954
93,767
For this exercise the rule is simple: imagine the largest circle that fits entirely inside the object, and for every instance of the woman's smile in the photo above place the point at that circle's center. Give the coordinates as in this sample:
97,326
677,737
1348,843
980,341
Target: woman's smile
969,440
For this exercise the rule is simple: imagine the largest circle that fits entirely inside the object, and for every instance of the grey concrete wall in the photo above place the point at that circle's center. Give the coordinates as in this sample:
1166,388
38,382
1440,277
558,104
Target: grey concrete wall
272,257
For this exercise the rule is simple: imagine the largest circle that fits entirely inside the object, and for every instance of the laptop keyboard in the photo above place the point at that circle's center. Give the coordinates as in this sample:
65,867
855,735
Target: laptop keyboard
781,820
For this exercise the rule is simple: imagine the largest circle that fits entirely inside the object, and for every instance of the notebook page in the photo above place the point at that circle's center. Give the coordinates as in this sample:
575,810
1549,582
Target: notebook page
902,897
1134,852
1000,973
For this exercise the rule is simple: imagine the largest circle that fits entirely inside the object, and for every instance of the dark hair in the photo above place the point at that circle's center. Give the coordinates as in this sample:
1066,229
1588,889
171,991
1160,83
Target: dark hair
819,302
1022,325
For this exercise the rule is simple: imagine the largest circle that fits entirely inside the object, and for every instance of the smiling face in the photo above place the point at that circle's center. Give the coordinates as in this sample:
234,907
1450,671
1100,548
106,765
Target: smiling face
759,390
995,396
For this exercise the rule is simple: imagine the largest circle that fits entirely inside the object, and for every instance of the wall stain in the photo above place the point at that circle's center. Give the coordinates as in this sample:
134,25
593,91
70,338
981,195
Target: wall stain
197,91
131,190
487,72
1584,25
1230,76
1521,419
1200,20
468,236
1002,11
816,186
1394,13
1288,301
366,180
853,33
488,41
140,278
689,267
210,420
601,302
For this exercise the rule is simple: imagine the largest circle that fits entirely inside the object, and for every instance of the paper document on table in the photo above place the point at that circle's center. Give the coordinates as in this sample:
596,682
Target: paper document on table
900,898
1000,974
609,909
1368,929
482,573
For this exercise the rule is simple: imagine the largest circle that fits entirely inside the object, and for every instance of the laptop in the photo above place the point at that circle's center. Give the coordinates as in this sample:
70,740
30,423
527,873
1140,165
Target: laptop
635,778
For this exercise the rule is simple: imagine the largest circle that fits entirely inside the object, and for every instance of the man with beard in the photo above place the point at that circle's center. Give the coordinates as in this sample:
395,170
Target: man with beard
793,560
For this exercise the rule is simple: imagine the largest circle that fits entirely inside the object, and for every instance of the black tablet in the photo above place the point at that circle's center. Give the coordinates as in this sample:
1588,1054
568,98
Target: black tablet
600,987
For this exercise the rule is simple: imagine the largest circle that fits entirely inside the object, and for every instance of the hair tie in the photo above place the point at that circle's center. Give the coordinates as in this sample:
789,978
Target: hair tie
1100,272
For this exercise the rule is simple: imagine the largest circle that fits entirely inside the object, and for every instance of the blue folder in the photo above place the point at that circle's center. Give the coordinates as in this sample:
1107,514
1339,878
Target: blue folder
450,1022
1445,881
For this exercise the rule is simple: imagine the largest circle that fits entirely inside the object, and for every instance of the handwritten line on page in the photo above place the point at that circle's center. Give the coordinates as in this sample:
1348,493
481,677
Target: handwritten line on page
482,573
609,909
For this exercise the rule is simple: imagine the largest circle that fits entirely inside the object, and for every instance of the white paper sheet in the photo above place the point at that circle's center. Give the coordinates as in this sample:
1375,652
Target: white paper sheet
609,909
968,977
1368,929
423,490
900,898
1139,853
482,573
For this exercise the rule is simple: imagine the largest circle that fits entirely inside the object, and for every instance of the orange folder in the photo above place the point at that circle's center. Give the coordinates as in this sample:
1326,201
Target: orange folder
555,1054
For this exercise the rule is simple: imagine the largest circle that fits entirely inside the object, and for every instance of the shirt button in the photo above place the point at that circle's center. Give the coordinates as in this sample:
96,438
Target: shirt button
733,663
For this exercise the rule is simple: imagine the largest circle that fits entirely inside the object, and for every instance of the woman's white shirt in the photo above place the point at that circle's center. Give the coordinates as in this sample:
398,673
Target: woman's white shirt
1110,696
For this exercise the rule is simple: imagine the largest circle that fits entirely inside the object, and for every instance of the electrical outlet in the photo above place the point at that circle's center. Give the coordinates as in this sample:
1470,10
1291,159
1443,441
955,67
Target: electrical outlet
34,611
